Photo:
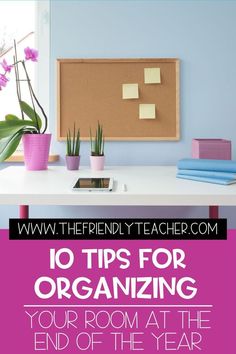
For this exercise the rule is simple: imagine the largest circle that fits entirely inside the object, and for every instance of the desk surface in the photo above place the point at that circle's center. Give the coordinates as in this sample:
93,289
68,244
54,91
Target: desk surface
146,185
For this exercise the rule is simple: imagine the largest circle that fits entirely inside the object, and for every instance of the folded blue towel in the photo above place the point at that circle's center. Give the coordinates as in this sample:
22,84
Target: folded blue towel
214,174
207,165
224,181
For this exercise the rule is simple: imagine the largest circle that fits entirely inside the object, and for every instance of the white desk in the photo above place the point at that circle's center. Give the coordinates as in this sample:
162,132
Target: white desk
146,185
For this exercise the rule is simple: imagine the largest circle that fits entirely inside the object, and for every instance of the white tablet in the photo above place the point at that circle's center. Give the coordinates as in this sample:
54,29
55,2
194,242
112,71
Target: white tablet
94,184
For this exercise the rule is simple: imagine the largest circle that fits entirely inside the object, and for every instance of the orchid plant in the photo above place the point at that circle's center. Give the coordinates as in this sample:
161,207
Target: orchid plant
13,128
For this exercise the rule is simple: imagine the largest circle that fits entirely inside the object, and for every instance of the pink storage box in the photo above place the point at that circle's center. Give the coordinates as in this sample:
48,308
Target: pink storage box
217,149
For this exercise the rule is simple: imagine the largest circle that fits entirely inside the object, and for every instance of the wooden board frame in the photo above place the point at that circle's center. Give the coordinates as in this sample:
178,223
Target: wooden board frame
62,116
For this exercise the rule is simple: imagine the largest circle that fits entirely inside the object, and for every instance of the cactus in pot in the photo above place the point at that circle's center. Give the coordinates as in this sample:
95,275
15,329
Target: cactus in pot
97,158
73,149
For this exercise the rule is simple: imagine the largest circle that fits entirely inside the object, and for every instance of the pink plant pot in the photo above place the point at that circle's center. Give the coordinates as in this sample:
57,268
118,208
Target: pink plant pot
36,151
97,163
72,162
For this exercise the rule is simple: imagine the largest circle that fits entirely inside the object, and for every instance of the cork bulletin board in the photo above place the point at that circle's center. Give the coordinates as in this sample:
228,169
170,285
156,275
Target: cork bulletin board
134,99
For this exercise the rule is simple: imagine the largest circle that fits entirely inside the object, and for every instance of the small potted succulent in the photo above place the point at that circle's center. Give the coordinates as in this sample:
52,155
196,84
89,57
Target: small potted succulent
73,149
97,158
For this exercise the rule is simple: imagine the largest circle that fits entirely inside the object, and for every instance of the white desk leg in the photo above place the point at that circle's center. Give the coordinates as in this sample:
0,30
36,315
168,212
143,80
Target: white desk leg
213,212
24,211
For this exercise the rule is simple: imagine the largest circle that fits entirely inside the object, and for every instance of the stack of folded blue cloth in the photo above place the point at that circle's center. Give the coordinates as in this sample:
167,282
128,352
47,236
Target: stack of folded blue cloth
211,171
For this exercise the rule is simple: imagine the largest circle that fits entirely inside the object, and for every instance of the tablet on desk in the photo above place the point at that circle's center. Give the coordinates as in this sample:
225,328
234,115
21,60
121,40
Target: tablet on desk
94,184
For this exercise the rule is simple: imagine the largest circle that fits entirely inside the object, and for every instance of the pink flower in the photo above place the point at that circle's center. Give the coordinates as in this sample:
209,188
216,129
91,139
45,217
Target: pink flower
31,54
7,68
3,81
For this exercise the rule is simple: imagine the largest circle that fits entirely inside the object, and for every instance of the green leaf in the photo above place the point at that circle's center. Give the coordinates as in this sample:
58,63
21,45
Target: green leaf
9,145
29,111
11,117
73,140
91,141
10,127
67,145
77,147
69,137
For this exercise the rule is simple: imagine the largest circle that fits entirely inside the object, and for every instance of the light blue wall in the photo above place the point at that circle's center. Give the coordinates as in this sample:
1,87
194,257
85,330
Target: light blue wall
201,33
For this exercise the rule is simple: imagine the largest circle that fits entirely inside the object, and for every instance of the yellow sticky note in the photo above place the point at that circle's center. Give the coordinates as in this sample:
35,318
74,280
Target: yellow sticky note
147,111
130,91
152,75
